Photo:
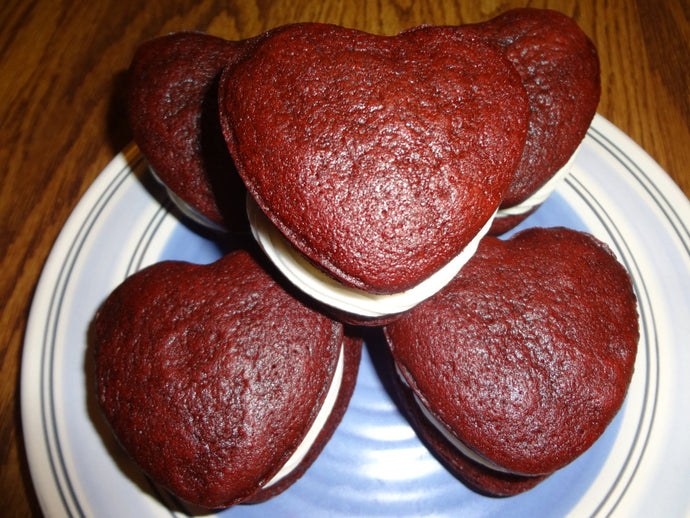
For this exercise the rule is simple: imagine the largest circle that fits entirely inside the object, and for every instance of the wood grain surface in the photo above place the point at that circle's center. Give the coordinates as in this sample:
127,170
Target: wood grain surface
62,74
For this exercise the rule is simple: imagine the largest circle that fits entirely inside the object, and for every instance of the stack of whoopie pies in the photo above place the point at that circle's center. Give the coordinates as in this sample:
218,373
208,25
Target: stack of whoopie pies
375,173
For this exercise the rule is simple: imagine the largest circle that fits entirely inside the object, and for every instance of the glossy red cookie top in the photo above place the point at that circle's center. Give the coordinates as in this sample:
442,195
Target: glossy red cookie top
528,353
559,67
379,158
210,375
173,114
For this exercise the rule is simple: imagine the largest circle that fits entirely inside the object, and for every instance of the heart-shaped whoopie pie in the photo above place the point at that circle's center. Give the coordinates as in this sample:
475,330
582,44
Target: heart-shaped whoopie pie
519,364
379,158
172,106
559,67
217,382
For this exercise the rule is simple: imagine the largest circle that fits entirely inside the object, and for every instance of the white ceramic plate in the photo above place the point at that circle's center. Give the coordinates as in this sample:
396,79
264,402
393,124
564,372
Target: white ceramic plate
374,465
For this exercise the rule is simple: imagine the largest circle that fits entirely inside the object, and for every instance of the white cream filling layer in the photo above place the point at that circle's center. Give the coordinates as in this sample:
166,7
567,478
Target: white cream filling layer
458,444
324,412
540,195
452,439
188,210
329,291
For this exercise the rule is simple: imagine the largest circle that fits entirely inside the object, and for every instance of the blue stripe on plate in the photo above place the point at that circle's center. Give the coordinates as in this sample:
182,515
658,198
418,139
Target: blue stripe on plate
648,333
56,457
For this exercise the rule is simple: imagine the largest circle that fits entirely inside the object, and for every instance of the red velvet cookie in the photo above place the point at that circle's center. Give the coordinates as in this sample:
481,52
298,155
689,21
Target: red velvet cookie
524,358
559,67
173,113
219,384
378,158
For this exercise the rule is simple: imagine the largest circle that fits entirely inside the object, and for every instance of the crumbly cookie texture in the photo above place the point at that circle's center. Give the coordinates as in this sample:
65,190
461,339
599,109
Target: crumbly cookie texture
379,158
210,376
527,355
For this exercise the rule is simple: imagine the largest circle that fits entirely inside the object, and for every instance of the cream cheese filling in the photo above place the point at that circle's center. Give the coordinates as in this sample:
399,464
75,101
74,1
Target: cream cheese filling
540,195
320,286
452,439
315,429
458,444
188,210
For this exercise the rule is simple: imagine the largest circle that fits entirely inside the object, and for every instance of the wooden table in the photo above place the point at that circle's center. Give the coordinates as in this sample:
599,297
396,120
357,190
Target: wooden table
62,71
